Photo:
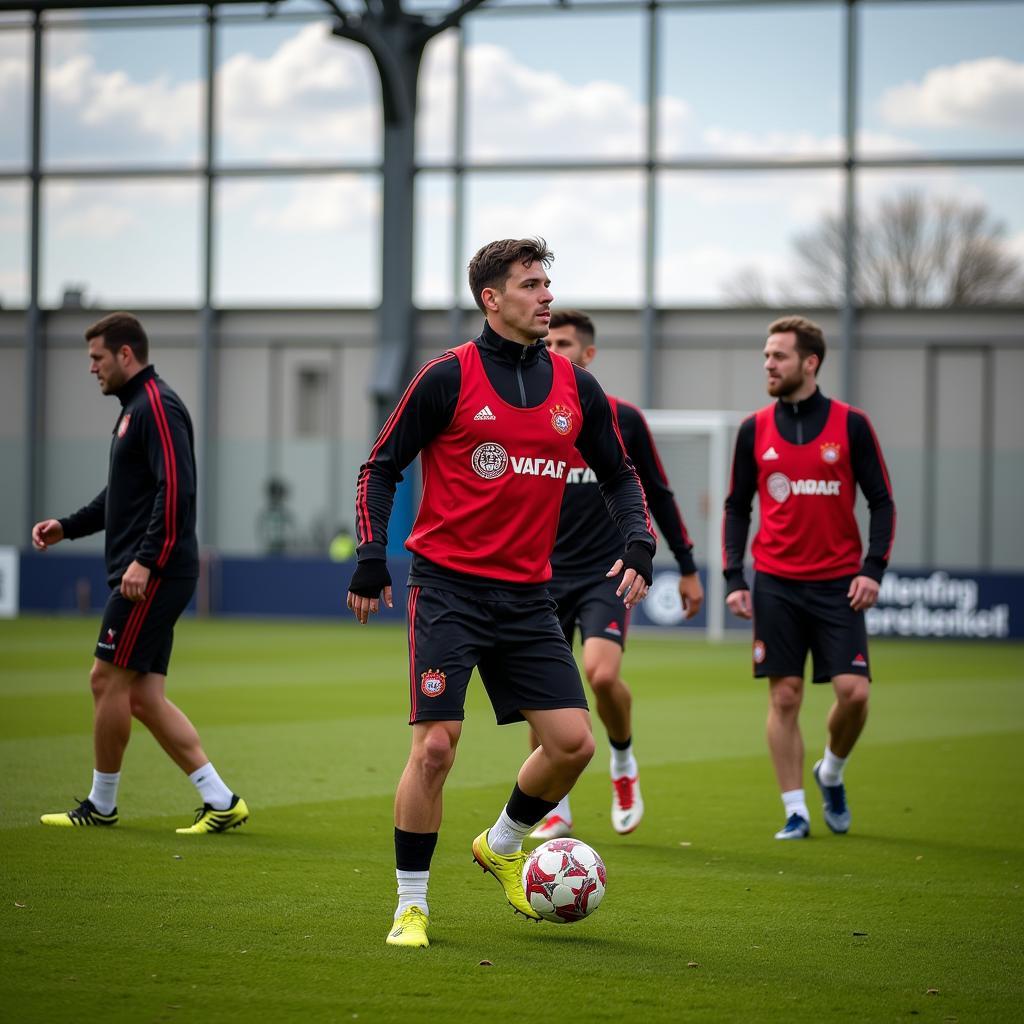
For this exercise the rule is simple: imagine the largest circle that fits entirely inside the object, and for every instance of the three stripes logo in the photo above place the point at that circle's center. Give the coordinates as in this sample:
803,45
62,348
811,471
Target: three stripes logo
485,414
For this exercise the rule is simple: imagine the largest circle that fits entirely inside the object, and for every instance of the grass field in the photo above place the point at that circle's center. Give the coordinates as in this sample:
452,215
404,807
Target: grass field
918,914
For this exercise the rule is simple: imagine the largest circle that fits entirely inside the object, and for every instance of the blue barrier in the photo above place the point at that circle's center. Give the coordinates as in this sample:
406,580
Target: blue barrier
921,603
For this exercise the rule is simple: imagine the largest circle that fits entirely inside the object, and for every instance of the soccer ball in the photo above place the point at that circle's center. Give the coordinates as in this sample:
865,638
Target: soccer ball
564,880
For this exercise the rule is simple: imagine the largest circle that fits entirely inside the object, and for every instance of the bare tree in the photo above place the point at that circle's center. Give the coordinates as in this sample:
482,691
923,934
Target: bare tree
912,251
915,251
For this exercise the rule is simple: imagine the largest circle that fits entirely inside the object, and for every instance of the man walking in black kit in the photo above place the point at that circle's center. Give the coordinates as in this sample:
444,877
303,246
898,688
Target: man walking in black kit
495,422
148,510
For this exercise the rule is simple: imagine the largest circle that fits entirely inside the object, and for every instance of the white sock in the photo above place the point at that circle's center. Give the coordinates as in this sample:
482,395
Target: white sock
624,763
831,770
561,810
104,791
506,836
795,803
412,890
211,787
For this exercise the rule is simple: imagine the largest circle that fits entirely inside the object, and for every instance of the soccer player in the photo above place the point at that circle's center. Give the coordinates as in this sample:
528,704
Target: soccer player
495,422
148,510
588,541
804,456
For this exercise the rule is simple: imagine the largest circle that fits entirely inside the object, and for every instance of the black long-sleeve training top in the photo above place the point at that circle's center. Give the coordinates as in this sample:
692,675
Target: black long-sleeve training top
588,539
801,423
522,376
148,507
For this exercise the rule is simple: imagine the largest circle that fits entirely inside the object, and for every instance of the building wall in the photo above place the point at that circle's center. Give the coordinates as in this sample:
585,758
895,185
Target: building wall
942,389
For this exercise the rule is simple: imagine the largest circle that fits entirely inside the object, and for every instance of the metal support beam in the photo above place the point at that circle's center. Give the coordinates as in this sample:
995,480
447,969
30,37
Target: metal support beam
206,475
848,310
34,367
650,314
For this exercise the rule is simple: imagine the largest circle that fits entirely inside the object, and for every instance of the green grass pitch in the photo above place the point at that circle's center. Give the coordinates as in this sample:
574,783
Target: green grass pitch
917,915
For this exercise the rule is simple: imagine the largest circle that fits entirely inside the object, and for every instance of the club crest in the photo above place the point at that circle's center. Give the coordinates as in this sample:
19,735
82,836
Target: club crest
830,454
432,682
122,427
561,419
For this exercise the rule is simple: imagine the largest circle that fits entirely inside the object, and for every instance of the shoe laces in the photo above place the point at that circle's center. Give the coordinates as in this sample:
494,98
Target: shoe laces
200,811
623,791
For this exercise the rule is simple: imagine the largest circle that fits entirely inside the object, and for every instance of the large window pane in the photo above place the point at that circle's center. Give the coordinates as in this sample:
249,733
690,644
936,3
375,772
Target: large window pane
116,95
295,94
115,243
751,82
435,117
298,241
942,77
735,238
14,198
435,212
15,74
565,85
599,258
941,237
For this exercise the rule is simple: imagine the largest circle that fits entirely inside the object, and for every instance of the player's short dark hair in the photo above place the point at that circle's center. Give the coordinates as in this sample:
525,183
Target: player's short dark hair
574,318
490,267
117,329
810,338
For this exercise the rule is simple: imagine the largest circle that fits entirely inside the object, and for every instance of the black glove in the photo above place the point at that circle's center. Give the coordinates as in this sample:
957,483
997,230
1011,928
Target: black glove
370,578
638,556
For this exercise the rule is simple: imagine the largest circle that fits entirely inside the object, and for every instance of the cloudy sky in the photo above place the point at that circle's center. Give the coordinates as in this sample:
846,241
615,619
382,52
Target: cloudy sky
935,79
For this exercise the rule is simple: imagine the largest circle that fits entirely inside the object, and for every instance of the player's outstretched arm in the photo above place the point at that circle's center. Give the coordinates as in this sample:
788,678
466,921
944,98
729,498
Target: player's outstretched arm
47,533
368,581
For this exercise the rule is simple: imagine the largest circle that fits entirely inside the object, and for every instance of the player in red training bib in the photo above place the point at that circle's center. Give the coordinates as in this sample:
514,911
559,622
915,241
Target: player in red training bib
804,457
497,422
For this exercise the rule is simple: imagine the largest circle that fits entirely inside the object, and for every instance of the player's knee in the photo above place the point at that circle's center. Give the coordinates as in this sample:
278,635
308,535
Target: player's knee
855,695
575,751
141,704
436,754
602,678
101,679
786,698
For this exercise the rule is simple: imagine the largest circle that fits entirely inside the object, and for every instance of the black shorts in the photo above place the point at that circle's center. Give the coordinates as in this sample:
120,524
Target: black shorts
518,647
792,617
139,635
593,606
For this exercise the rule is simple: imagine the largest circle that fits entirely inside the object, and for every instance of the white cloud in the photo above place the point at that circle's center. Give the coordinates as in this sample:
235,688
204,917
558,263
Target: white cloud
727,142
984,93
309,97
156,110
521,112
598,258
319,206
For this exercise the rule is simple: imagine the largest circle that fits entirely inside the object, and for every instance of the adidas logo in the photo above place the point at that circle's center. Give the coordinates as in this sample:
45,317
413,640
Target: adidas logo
770,455
485,414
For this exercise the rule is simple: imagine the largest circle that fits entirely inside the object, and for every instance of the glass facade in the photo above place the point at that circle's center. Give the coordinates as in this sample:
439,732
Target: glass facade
676,155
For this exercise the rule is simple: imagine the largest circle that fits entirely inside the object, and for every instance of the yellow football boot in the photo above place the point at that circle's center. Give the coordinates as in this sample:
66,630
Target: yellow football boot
508,870
84,814
409,929
210,820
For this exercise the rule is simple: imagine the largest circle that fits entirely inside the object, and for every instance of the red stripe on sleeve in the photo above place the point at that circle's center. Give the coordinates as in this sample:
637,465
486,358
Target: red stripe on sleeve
362,508
171,473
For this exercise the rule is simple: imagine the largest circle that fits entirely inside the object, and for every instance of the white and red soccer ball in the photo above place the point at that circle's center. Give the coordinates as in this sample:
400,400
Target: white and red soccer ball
564,880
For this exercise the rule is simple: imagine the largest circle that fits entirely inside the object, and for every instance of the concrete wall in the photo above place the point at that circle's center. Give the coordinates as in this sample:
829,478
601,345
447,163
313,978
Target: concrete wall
943,389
